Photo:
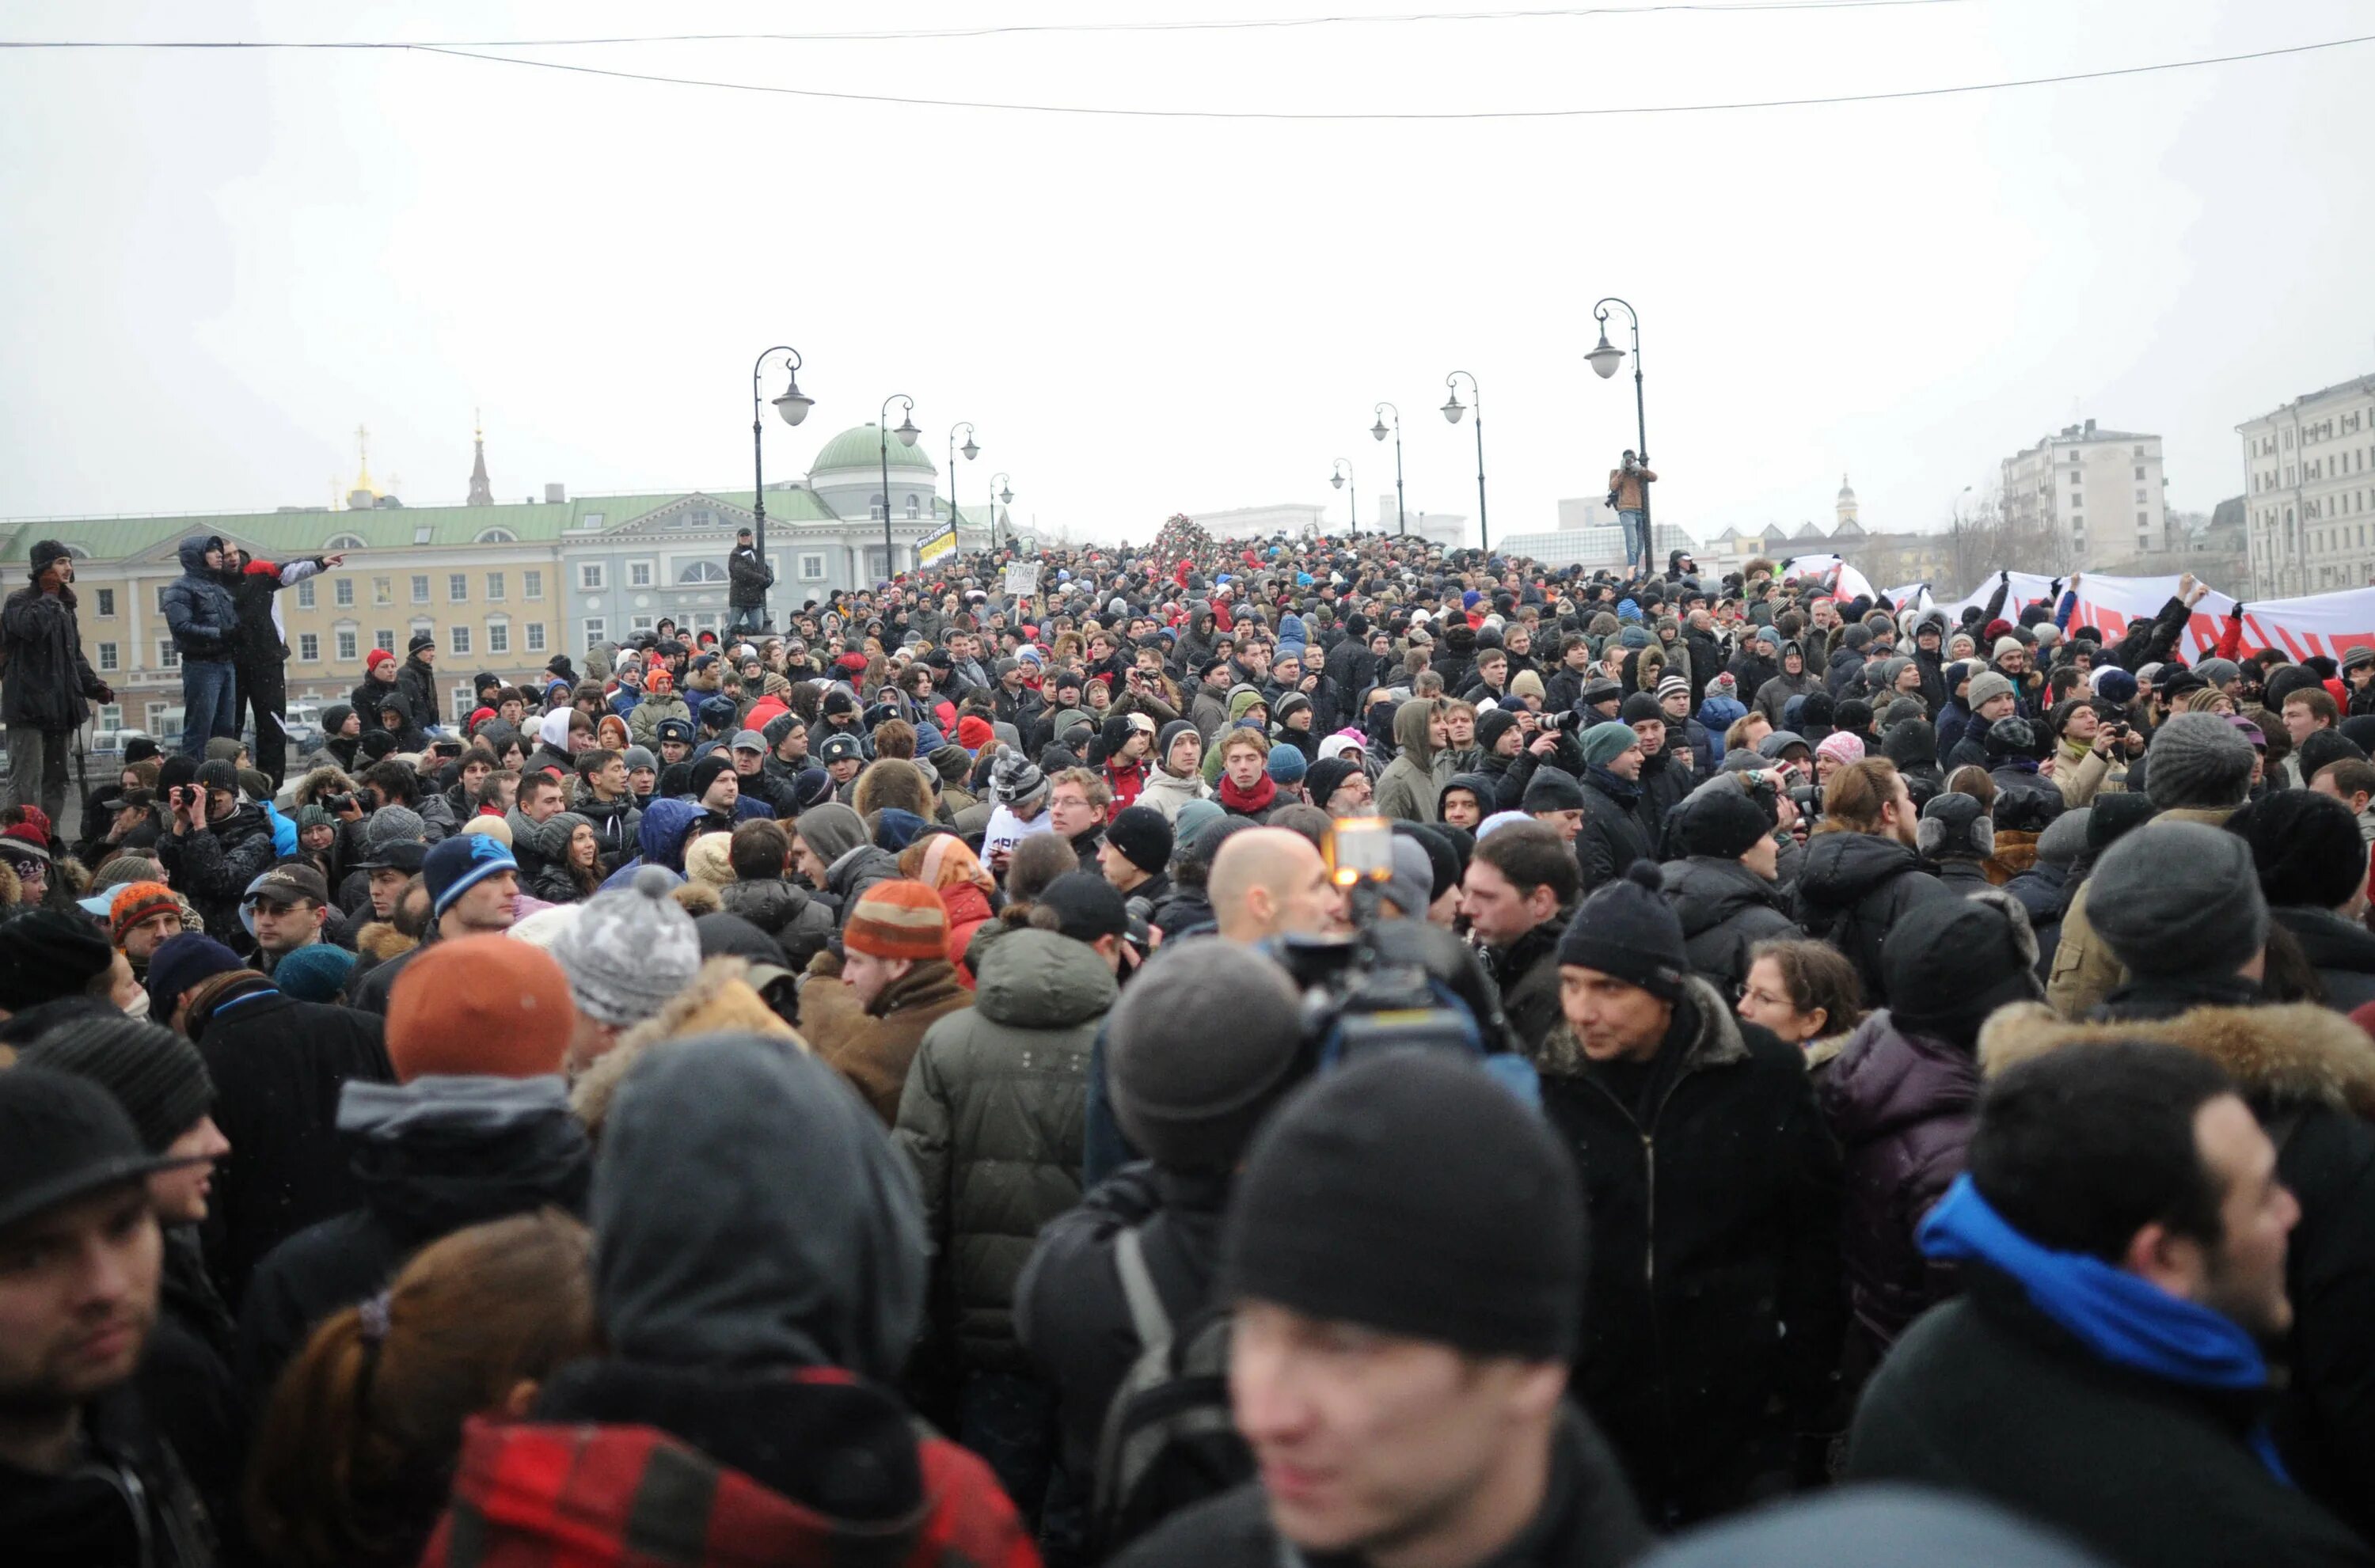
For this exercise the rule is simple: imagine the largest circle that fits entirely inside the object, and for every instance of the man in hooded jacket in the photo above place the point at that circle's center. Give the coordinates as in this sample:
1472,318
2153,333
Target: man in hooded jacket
1407,787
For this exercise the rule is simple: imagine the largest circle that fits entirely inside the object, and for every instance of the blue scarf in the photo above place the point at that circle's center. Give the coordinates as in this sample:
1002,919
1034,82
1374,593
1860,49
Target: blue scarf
2120,1317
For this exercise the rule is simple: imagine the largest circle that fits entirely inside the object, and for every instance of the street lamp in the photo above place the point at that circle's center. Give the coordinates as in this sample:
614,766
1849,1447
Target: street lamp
906,432
1004,498
1604,358
971,451
1339,479
794,406
1378,430
1451,412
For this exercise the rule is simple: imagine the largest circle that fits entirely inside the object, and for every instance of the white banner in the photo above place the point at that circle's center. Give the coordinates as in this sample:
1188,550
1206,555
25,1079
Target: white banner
2320,623
1022,578
1853,584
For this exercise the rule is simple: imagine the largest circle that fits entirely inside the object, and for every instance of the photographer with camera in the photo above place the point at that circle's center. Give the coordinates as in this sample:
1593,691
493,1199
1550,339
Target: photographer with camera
1514,743
2090,748
1629,496
215,846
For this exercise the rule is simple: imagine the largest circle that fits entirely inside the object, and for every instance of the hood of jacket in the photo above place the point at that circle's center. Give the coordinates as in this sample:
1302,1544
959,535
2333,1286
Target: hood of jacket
1886,1077
1704,890
1032,979
191,553
1485,789
1413,724
748,1213
770,905
867,863
1710,1036
659,838
1839,870
2294,1055
441,1152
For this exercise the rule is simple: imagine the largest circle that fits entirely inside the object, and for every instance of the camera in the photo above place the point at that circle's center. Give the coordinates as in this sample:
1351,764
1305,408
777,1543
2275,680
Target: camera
335,804
1560,722
1808,798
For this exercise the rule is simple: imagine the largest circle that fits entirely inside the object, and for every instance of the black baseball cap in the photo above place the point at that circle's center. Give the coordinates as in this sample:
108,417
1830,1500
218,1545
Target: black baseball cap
405,857
62,1137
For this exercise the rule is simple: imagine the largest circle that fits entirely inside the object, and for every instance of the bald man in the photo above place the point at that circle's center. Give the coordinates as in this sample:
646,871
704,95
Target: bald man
1271,882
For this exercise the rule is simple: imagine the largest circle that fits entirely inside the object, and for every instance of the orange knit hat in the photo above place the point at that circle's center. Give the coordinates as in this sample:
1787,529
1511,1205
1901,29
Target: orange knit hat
484,1005
898,920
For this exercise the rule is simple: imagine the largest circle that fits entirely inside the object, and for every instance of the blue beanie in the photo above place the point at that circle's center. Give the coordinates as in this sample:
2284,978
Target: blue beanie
455,865
314,972
1286,764
182,962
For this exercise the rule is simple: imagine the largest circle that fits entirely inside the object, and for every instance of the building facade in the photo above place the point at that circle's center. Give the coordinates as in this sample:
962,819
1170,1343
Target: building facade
2308,494
2100,491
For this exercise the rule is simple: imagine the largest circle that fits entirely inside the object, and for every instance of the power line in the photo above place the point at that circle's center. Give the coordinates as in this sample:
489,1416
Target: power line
1613,111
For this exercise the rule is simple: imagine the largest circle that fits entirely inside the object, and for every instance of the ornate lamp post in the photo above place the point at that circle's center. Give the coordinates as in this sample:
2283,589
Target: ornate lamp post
1378,430
794,406
1451,412
1604,359
971,451
1340,472
906,432
1004,496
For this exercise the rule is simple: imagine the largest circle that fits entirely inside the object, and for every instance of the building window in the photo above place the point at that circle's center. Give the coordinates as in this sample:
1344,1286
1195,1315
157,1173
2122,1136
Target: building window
169,656
700,571
106,602
639,574
305,593
461,637
531,584
596,629
912,513
340,544
499,637
812,568
108,658
111,715
382,591
309,646
156,718
2140,472
536,637
639,623
342,592
591,520
420,587
591,578
876,507
497,536
160,598
458,586
383,638
495,585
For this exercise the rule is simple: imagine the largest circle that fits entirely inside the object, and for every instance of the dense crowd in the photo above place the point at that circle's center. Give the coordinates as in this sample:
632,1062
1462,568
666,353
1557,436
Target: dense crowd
1327,1051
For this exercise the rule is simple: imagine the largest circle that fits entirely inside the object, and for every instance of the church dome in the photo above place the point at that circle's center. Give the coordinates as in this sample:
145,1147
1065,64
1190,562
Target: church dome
860,448
1846,491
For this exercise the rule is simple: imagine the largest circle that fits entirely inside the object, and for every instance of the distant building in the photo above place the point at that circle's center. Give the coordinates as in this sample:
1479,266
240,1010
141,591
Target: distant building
2310,491
1585,511
1592,548
2099,492
1293,519
1845,506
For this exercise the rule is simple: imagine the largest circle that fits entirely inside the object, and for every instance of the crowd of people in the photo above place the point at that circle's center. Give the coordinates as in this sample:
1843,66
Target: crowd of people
1322,1050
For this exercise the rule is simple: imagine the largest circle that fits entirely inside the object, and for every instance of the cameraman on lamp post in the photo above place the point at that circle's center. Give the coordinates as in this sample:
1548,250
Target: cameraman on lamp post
1628,493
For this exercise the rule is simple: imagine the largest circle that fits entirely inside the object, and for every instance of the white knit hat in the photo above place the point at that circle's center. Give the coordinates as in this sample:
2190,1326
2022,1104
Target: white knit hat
631,950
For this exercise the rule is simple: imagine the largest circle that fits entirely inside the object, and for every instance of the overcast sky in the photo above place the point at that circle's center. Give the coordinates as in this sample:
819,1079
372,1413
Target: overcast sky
219,263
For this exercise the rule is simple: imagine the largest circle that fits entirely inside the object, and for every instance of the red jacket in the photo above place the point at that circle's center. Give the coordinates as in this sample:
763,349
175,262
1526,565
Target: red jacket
969,910
1126,781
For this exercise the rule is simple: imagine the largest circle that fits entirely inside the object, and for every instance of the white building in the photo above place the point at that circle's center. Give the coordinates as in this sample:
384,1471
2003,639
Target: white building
1586,511
2100,491
2308,492
1592,548
1293,519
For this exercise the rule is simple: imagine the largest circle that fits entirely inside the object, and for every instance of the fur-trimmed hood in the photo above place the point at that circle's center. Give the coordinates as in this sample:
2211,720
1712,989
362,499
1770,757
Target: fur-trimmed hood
1717,1043
720,1000
380,941
2293,1055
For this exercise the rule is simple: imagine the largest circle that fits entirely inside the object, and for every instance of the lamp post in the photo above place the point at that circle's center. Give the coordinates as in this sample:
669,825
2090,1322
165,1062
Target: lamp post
1378,430
793,407
1339,479
971,451
1451,412
1003,498
1604,358
906,432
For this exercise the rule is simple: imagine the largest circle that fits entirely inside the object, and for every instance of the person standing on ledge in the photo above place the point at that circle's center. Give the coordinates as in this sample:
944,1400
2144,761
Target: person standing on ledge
46,680
1628,493
748,578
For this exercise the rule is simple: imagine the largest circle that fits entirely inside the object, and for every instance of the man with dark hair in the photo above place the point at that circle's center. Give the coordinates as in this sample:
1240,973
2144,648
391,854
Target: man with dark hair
49,685
1516,893
2121,1234
748,578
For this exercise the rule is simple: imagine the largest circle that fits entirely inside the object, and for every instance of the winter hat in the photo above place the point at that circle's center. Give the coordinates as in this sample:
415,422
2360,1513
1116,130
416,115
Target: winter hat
48,953
1087,907
2197,760
1187,1096
831,831
2114,684
1720,822
136,902
479,1005
376,658
314,972
2218,672
1603,743
1671,686
181,963
1491,725
2305,847
1551,789
1955,826
898,919
1627,929
2011,735
1015,780
455,865
706,861
1286,764
1986,687
705,772
1410,1192
392,824
1842,746
2112,817
974,733
631,951
1950,963
2178,898
2322,750
2061,843
157,1077
1640,706
1143,835
1411,885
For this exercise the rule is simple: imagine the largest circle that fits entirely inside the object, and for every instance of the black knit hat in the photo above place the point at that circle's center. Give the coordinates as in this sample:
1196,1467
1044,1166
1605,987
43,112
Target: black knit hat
1326,776
1491,725
2305,847
45,551
2323,749
1722,822
2114,816
47,953
157,1076
1187,1095
1951,961
1411,1193
1627,929
1143,836
1551,789
62,1137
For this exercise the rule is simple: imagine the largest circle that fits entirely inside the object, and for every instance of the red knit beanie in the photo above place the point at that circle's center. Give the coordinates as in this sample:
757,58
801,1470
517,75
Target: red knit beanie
136,902
376,658
484,1005
898,920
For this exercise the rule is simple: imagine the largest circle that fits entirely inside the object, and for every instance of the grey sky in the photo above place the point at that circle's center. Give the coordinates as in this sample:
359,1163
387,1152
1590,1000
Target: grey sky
219,263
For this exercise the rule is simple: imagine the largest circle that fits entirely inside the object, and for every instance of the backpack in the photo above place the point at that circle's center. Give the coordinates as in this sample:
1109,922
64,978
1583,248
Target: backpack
1169,1440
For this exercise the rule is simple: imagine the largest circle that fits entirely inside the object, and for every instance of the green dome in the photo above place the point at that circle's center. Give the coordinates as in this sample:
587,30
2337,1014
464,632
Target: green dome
862,448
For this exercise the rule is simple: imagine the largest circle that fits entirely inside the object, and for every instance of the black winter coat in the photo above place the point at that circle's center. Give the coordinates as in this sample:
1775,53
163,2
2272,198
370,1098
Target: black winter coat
1852,888
747,579
1712,1310
212,865
47,677
416,682
186,1378
279,1066
799,923
199,608
1726,909
1613,837
124,1502
1527,971
2343,952
1985,1395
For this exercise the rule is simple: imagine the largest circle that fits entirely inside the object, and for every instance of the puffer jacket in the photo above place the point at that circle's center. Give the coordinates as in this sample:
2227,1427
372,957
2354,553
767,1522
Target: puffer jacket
1774,695
199,610
1852,889
791,914
849,877
992,1116
1726,909
644,722
1901,1105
